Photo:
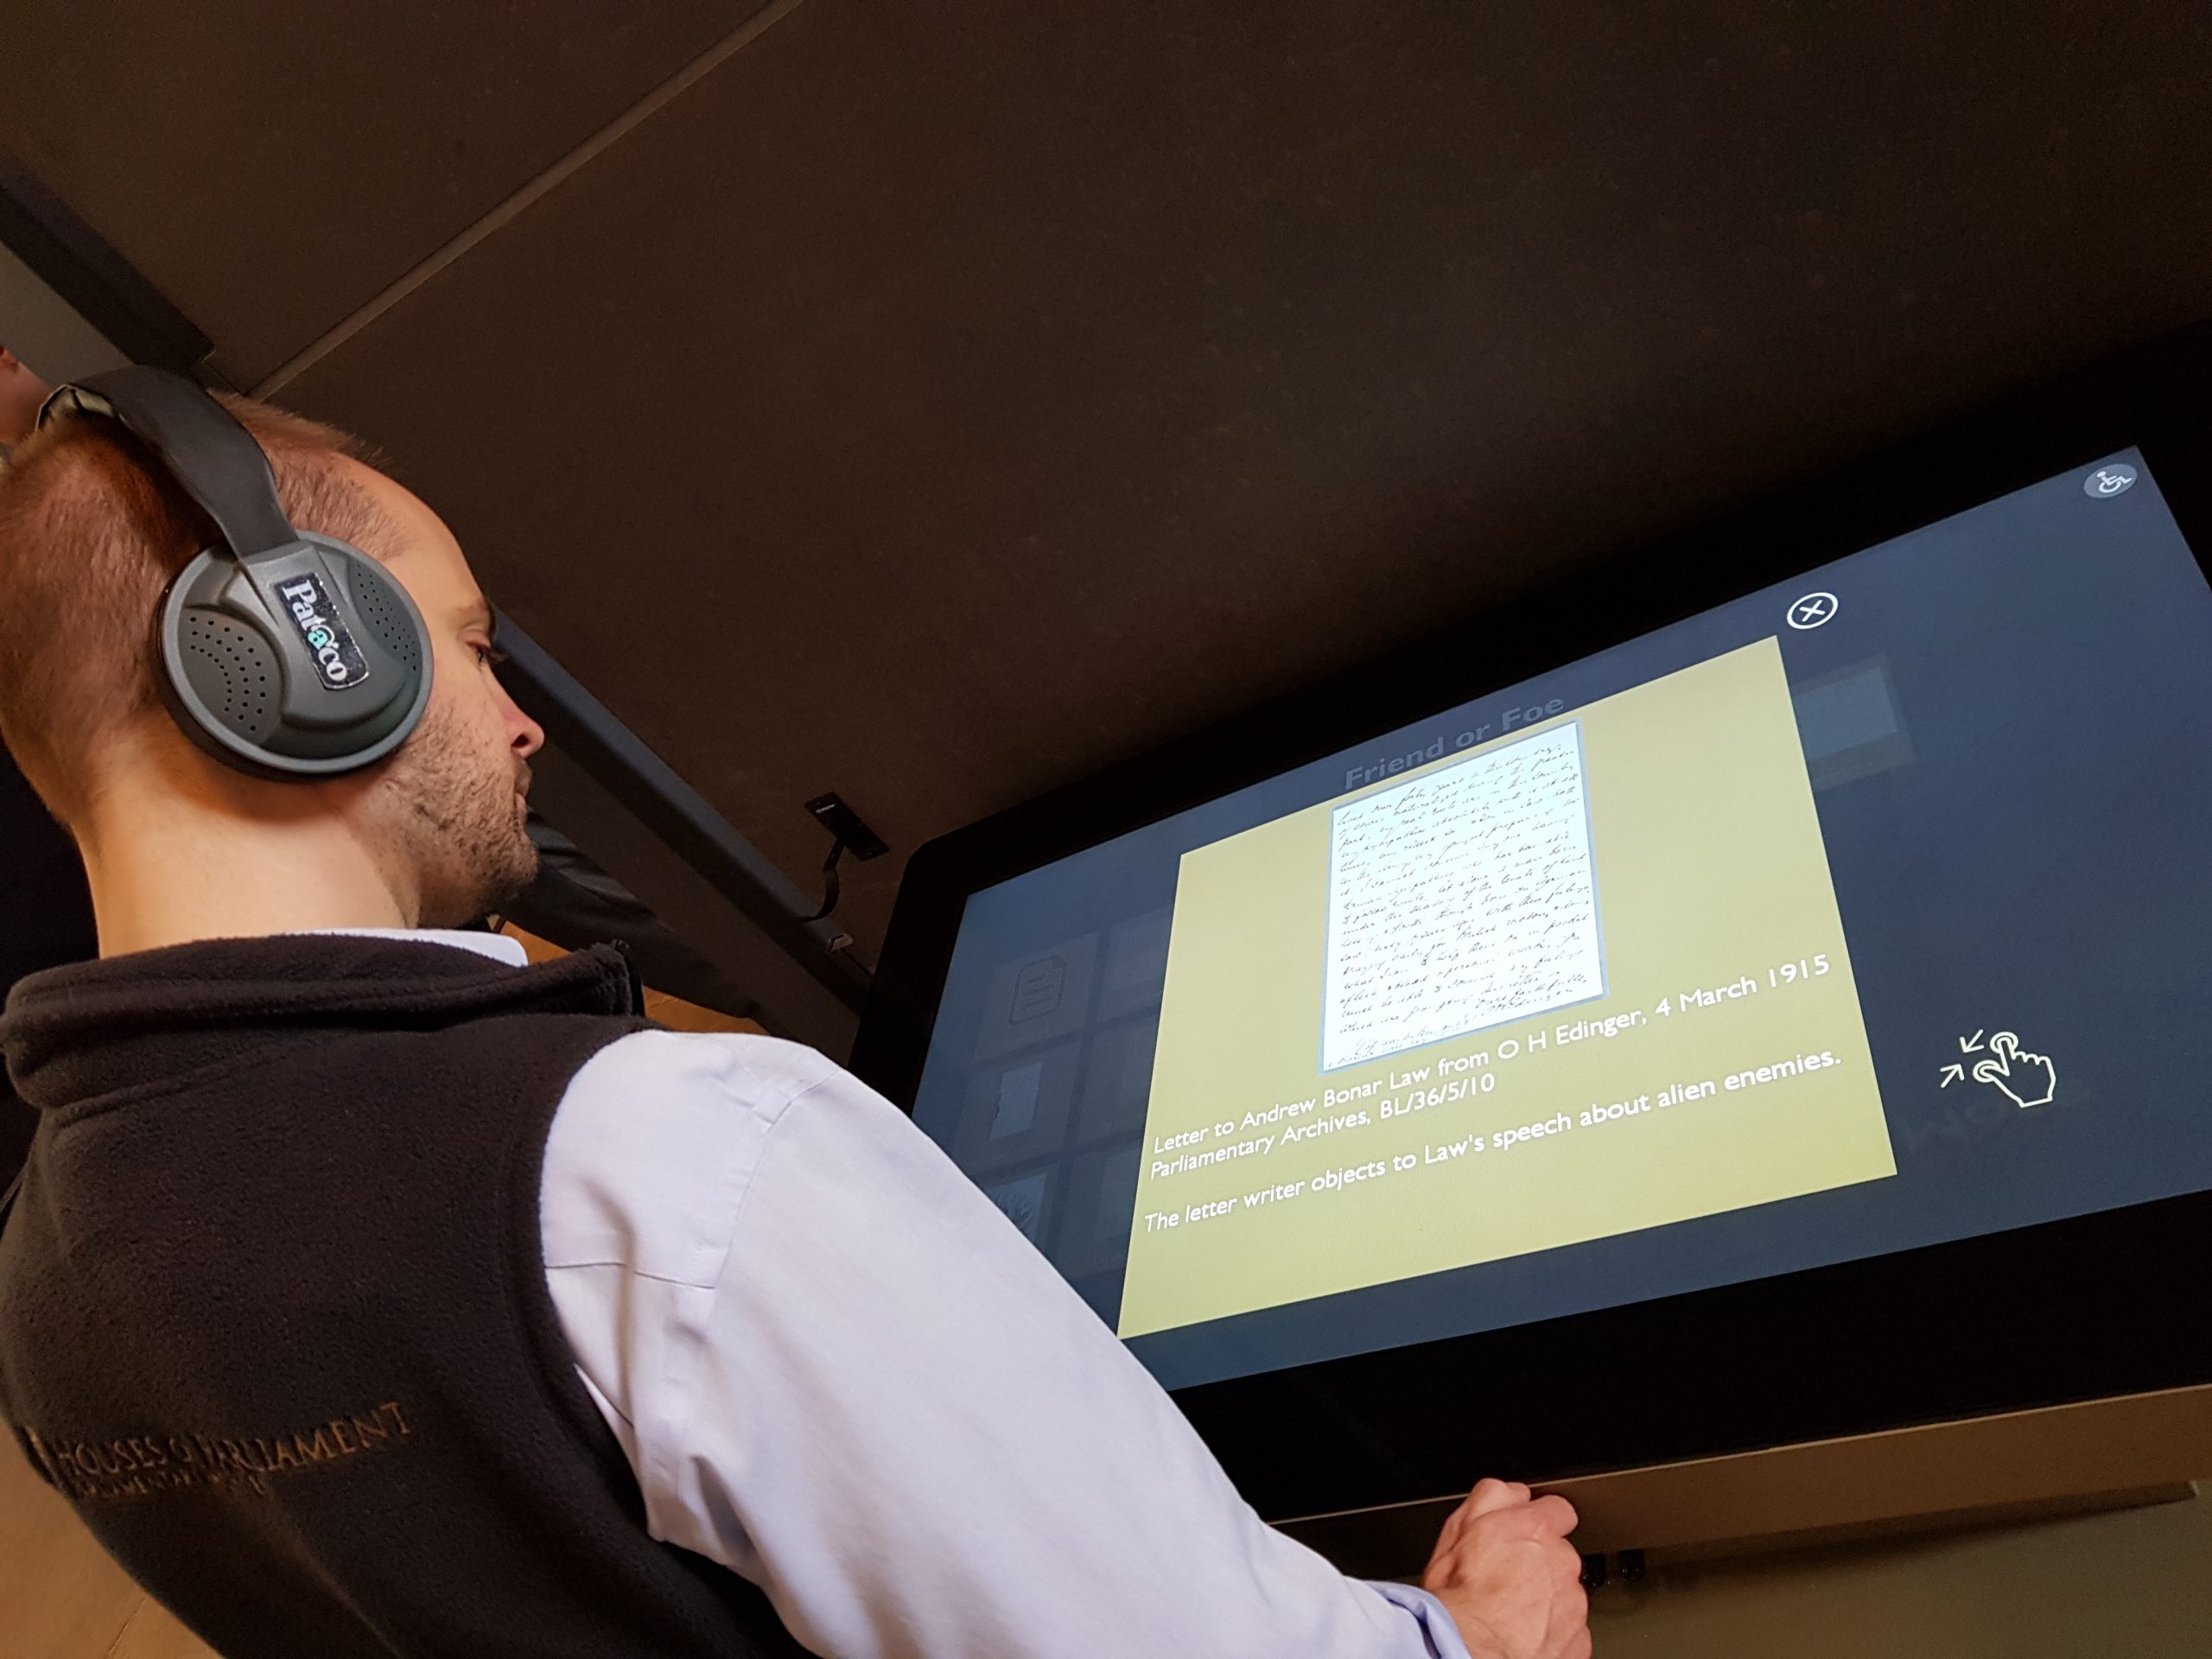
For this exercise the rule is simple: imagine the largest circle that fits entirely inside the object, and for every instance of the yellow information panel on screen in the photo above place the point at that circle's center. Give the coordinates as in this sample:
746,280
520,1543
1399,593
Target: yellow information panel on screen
1584,979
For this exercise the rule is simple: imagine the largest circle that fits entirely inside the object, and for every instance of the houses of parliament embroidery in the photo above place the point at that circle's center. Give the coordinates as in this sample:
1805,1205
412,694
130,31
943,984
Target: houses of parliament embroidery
142,1465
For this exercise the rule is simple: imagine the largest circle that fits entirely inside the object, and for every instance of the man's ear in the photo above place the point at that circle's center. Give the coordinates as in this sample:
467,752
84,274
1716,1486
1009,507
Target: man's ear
21,394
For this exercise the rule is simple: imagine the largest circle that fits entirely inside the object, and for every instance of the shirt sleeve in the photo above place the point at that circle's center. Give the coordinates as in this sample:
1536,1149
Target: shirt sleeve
839,1371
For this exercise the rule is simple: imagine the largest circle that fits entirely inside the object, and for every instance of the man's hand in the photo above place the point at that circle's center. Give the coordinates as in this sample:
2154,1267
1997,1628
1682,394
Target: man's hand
1512,1583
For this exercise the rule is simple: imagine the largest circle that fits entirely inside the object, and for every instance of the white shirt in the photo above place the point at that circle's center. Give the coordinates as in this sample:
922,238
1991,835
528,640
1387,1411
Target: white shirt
841,1372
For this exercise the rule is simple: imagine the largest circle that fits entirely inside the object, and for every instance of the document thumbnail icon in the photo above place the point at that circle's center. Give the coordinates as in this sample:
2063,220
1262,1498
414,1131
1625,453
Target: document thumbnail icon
1037,989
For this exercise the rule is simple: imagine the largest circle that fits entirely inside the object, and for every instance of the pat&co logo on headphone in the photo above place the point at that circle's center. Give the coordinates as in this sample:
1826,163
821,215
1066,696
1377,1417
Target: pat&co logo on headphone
338,660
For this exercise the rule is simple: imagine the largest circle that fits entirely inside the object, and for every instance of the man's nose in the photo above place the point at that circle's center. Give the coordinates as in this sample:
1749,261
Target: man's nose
524,735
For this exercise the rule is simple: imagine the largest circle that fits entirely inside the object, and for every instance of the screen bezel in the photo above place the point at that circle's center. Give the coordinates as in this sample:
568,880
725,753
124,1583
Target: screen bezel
2070,1310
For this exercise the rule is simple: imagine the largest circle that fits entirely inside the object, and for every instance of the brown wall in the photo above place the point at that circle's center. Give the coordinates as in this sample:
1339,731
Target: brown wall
2137,1582
60,1597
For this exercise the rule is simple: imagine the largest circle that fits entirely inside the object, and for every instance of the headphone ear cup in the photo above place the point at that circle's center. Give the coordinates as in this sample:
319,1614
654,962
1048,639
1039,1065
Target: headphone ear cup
232,670
319,667
387,616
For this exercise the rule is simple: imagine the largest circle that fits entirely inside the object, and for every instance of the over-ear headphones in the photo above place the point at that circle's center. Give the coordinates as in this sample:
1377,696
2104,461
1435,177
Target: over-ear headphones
283,652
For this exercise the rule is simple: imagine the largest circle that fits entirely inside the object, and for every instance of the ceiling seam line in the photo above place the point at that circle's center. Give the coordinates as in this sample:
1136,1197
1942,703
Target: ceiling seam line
521,200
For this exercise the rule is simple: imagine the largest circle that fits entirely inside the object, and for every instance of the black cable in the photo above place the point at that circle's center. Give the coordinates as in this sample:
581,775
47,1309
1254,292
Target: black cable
829,881
8,1199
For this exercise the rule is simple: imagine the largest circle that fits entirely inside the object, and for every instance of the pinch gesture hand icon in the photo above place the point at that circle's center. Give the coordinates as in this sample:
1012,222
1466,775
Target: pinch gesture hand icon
2026,1079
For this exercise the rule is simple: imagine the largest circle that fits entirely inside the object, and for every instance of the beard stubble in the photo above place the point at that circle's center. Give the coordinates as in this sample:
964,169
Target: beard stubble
457,820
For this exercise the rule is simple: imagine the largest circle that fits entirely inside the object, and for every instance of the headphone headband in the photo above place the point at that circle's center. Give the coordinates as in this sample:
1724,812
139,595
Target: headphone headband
215,459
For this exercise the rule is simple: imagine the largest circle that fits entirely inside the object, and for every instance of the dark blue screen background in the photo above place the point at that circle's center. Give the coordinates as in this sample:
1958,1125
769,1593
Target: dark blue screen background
2008,725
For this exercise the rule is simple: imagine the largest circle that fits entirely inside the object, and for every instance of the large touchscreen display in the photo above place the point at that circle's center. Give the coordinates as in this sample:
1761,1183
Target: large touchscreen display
1869,910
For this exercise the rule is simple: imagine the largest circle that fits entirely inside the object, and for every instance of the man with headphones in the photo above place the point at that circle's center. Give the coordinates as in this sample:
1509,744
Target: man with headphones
371,1292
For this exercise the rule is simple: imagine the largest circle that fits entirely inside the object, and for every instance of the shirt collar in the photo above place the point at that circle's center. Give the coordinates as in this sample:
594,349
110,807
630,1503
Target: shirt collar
498,946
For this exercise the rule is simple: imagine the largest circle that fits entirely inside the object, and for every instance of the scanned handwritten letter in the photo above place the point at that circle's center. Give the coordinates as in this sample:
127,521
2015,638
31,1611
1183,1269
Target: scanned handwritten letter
1461,898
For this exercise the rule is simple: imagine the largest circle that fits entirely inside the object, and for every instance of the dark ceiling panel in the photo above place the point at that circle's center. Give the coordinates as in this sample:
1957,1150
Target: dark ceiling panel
272,166
934,413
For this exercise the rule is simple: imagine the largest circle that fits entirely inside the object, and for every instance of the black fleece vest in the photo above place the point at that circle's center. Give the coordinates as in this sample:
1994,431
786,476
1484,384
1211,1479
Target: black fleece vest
273,1310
